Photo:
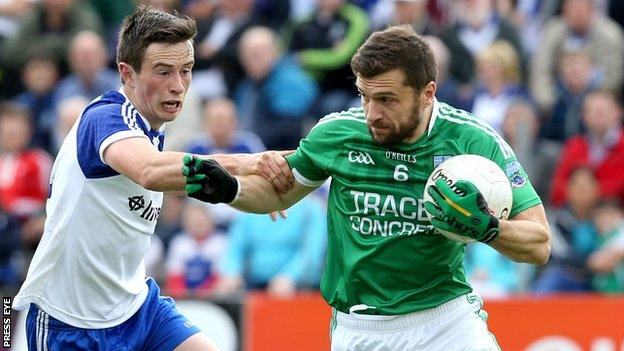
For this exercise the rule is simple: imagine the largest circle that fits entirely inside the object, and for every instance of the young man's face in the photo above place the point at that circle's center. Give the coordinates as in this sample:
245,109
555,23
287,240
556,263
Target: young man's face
159,89
393,110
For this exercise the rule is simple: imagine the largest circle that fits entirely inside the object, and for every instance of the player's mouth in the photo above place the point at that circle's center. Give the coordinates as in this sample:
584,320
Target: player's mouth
172,106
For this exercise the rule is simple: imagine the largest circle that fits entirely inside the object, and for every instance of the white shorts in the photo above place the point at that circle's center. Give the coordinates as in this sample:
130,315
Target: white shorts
457,325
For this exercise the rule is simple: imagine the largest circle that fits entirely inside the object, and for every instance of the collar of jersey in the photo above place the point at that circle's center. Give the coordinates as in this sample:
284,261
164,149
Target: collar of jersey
434,115
145,121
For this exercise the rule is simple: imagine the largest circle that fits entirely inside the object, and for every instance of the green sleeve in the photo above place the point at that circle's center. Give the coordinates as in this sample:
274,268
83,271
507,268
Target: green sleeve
334,58
314,154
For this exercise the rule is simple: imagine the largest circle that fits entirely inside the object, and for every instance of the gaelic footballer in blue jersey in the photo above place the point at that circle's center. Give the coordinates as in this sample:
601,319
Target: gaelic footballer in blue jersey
86,287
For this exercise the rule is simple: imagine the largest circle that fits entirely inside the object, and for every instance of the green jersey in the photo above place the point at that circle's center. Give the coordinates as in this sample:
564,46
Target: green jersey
382,251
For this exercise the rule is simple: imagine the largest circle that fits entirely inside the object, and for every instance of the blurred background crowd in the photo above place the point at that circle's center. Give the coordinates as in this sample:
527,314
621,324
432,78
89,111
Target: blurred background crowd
546,74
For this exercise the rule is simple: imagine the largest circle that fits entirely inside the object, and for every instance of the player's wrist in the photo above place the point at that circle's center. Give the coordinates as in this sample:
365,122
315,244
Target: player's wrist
491,232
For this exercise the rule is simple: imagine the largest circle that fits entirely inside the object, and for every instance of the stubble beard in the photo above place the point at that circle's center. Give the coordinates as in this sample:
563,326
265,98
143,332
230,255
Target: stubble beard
404,131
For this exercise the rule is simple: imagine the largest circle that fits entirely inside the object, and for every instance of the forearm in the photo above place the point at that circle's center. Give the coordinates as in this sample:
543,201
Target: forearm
523,241
257,195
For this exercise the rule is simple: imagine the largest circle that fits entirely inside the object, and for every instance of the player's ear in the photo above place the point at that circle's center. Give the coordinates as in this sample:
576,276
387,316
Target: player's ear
428,92
127,73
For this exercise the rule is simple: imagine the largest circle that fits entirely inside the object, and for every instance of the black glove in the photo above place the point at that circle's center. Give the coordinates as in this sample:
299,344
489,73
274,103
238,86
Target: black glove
207,181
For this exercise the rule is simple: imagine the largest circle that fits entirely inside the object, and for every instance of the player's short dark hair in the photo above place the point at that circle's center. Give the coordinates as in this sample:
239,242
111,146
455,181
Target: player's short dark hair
145,26
396,47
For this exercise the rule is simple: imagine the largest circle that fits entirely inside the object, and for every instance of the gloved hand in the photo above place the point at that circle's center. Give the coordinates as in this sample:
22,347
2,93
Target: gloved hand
466,215
207,181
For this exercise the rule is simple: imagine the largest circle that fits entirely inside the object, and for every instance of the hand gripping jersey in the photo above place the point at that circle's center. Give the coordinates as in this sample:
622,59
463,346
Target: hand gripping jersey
382,251
88,269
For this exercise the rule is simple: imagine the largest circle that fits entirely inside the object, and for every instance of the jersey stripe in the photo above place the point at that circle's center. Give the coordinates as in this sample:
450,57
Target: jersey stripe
465,118
129,114
501,144
301,179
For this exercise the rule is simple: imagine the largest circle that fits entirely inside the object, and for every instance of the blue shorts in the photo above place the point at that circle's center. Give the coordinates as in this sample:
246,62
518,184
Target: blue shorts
157,325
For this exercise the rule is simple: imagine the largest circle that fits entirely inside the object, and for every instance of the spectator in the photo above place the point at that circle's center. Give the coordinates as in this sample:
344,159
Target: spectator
281,256
49,25
276,94
412,12
10,13
493,275
220,133
67,112
572,236
477,27
218,69
578,28
10,236
520,130
89,75
40,76
499,74
324,44
170,218
608,260
24,172
601,147
194,253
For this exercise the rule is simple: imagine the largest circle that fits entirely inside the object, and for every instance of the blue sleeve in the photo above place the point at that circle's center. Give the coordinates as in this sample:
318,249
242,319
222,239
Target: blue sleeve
306,266
99,127
234,259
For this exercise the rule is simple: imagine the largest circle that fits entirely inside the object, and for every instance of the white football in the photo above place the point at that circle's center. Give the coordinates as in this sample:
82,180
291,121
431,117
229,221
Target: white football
486,175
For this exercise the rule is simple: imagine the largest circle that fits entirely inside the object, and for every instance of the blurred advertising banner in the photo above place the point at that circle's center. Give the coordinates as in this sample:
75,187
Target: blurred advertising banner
559,323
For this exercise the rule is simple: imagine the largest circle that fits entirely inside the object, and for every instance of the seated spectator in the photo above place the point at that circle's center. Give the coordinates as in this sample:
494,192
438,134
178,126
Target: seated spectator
220,133
49,25
576,78
24,172
520,129
323,45
601,147
499,74
493,275
276,94
476,27
68,111
40,76
607,262
573,237
580,27
279,257
89,75
194,253
412,12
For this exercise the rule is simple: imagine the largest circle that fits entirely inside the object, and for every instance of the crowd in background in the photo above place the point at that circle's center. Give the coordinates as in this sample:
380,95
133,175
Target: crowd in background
546,74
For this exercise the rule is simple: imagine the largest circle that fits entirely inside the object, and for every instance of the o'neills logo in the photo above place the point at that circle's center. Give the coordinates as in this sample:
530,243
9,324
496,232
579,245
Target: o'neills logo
393,155
439,174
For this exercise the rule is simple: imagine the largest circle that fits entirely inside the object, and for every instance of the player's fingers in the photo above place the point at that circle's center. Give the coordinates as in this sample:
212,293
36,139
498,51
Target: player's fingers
197,178
192,188
467,186
283,214
437,198
433,210
273,216
278,172
281,162
188,159
443,188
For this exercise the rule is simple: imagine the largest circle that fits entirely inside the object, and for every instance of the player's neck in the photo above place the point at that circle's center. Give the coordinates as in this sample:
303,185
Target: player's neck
423,126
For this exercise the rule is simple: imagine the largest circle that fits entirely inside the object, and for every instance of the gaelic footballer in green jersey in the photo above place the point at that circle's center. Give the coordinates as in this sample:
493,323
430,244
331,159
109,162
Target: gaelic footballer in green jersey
382,250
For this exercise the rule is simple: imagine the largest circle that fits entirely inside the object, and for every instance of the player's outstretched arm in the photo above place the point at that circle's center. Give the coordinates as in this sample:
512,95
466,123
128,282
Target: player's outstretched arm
208,181
138,159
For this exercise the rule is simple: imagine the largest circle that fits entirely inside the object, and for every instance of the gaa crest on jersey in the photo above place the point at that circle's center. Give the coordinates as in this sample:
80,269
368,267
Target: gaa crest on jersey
360,157
148,212
514,172
438,159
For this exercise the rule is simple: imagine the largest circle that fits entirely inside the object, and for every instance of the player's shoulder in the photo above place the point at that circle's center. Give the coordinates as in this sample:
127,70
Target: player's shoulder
110,103
341,122
455,122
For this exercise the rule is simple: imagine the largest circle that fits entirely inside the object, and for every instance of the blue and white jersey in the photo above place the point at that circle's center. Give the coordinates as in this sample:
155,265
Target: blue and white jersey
88,270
